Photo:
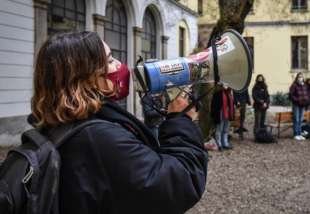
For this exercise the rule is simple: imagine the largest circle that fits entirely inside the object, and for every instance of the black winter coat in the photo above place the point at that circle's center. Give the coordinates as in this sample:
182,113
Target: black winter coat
107,168
299,94
242,97
260,95
217,107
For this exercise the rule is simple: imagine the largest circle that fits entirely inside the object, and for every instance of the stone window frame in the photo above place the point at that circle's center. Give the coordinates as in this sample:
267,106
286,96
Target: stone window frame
250,40
79,16
301,55
200,7
149,17
41,23
299,5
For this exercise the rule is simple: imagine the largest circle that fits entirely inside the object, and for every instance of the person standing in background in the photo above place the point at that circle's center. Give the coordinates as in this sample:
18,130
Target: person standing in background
261,103
241,100
308,90
222,111
299,97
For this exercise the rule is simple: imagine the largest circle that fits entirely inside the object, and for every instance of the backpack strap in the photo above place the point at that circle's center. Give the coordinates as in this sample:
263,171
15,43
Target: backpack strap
35,136
60,134
110,112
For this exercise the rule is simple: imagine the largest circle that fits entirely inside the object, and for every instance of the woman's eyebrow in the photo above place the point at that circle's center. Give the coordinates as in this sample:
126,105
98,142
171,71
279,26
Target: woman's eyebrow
109,55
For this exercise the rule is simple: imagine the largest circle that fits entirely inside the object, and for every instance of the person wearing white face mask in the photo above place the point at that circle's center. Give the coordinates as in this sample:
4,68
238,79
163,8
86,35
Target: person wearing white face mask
299,97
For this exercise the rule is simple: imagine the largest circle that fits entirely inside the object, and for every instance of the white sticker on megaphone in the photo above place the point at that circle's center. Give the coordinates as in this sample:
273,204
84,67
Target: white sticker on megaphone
224,46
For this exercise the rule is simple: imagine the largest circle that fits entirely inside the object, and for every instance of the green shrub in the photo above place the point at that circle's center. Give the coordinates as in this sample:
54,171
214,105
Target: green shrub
280,99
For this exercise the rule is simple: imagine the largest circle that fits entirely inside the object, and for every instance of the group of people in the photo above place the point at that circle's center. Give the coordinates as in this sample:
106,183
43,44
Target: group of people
225,102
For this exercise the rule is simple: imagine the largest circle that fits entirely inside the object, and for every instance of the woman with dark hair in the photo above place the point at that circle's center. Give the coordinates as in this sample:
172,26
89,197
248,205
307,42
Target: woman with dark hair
299,97
261,103
113,167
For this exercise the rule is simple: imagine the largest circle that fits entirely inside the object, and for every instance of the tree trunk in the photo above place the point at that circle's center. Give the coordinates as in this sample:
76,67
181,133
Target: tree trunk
232,16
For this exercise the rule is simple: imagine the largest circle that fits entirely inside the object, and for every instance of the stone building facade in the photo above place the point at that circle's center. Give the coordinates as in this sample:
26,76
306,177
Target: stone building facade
278,32
151,28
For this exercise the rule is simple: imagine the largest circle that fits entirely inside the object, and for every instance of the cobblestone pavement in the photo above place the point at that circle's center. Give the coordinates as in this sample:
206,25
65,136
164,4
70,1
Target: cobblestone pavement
256,178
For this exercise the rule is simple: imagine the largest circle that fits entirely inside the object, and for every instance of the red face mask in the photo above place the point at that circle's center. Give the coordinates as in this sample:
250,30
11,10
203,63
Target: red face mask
120,79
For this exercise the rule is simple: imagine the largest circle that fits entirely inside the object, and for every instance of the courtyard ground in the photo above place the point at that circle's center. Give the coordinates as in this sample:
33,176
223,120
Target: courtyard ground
258,179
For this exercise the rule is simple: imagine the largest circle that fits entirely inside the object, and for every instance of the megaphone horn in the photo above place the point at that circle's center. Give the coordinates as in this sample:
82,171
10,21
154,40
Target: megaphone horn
228,60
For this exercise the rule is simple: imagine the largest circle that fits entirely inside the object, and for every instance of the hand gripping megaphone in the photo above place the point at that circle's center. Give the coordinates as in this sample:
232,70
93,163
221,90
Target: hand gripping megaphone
227,61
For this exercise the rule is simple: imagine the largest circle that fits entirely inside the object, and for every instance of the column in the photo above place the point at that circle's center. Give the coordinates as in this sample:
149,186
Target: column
99,24
137,45
40,23
164,44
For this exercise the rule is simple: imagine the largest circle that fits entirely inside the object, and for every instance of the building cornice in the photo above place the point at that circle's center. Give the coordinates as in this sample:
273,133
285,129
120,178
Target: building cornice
266,24
277,23
187,9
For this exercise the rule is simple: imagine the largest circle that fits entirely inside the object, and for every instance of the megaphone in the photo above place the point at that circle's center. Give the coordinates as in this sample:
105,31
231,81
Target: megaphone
228,61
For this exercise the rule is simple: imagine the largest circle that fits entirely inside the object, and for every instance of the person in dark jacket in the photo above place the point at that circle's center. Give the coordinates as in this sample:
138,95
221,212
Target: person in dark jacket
152,118
308,90
261,103
299,97
116,166
241,100
222,111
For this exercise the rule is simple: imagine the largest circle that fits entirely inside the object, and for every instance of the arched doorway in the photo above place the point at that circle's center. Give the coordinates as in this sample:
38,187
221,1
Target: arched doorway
149,36
66,15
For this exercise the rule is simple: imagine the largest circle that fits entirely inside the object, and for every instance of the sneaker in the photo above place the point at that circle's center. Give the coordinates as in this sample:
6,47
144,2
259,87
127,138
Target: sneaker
304,134
297,137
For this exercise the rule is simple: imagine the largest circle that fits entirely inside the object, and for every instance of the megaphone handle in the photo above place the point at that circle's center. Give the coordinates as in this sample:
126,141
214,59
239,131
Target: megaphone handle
215,64
194,103
160,111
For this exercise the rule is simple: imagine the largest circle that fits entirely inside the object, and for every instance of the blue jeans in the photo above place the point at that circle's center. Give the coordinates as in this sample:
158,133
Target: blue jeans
298,116
260,117
221,133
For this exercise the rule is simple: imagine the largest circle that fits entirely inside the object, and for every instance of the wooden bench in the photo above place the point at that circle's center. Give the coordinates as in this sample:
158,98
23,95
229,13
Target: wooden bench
284,121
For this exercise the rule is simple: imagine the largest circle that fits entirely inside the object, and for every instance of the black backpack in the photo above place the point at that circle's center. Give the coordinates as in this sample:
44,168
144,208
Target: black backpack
29,176
264,136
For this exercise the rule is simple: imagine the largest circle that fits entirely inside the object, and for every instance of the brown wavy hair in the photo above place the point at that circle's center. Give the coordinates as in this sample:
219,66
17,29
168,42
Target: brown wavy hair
66,78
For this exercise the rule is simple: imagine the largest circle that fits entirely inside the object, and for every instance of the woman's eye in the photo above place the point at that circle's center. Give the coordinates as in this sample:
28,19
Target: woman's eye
111,60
